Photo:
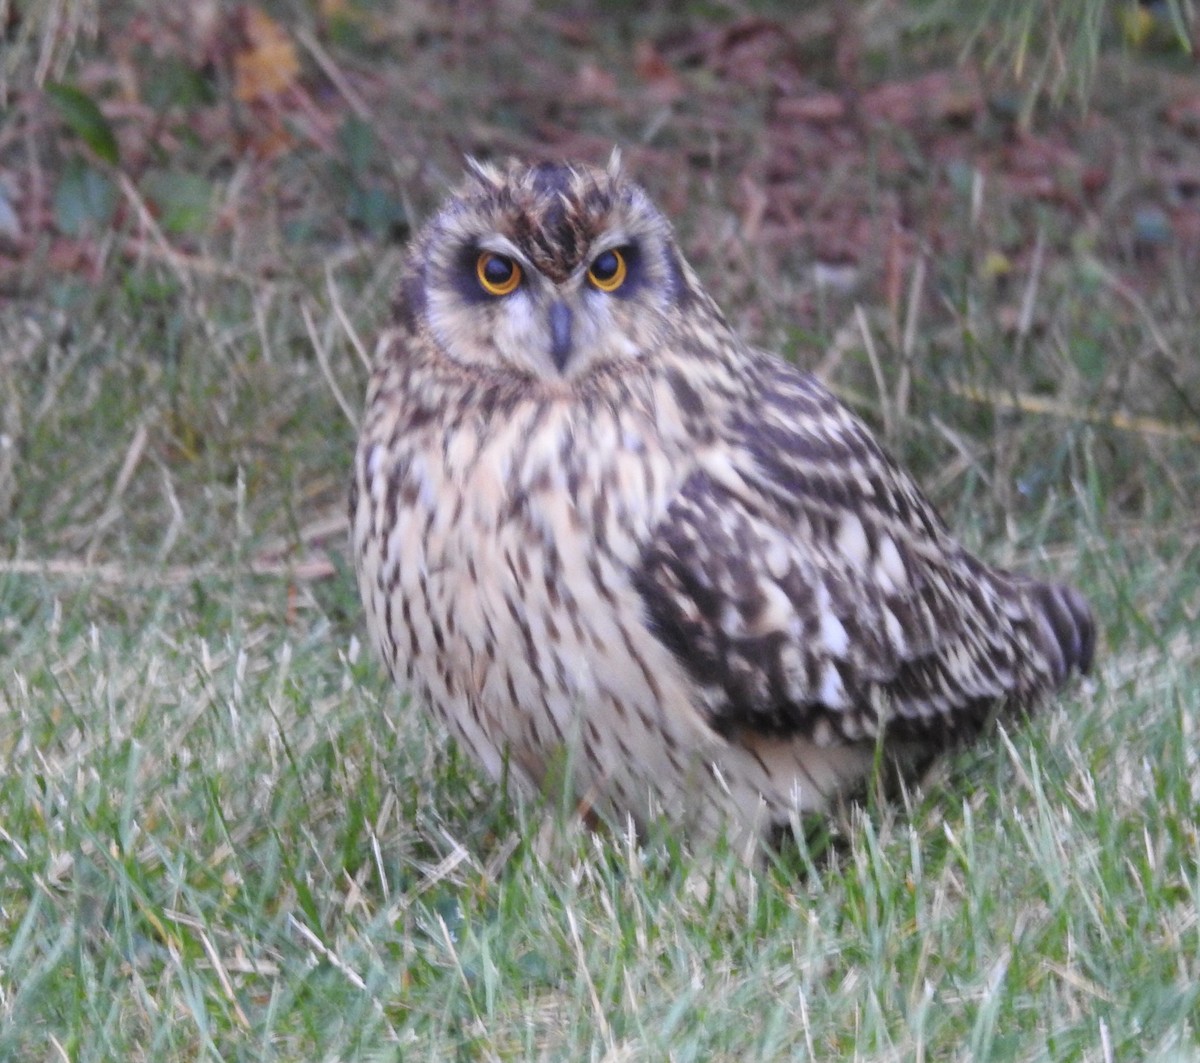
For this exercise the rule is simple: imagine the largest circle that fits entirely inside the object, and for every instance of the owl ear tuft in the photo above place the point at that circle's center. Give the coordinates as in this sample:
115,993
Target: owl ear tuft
615,170
485,173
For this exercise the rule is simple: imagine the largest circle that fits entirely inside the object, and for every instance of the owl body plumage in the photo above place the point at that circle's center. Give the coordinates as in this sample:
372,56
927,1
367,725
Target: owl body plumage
597,534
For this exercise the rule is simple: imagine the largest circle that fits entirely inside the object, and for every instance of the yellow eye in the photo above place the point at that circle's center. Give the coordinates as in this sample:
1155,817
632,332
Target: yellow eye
608,270
498,274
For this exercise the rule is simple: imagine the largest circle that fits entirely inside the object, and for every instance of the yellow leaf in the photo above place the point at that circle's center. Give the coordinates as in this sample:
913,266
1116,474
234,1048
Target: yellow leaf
1136,23
996,264
266,64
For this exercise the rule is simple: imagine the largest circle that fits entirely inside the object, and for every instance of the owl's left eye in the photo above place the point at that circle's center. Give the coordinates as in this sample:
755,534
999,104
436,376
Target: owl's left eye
498,274
608,270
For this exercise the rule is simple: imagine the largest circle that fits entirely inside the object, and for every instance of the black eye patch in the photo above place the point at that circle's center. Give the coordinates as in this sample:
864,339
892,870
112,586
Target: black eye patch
481,276
617,271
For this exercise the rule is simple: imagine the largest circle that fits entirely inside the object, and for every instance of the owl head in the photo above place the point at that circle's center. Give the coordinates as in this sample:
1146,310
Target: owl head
552,272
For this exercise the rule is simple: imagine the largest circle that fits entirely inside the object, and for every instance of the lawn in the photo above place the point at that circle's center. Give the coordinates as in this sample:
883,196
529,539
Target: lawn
224,836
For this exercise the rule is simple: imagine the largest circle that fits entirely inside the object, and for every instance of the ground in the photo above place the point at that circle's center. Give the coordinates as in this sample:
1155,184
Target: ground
223,833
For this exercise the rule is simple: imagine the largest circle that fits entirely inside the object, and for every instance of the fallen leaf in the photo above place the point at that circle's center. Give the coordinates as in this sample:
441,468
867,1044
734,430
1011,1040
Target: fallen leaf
265,64
657,74
596,84
85,118
940,96
754,208
818,108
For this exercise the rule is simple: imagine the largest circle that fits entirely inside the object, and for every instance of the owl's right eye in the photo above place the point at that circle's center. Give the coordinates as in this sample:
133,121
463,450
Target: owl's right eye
498,274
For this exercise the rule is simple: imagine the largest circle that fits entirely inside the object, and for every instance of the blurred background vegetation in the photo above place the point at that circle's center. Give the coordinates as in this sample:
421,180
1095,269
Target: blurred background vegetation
955,169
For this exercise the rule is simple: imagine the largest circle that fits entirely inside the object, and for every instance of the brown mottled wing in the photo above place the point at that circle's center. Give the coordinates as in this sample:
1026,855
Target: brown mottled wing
808,587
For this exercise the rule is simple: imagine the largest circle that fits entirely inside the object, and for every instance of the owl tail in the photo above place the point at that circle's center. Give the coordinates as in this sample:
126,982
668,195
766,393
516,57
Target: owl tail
1069,632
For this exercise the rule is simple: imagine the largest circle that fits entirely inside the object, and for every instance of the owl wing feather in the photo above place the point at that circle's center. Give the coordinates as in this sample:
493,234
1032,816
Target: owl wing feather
807,586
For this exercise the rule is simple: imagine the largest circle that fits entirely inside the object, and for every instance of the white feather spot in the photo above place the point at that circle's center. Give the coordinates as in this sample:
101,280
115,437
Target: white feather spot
852,539
1014,608
822,735
777,557
374,459
425,484
731,621
895,633
718,465
832,692
890,572
792,663
777,610
833,634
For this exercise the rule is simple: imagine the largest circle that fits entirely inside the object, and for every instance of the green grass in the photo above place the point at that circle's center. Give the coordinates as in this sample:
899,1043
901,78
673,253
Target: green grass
223,835
233,844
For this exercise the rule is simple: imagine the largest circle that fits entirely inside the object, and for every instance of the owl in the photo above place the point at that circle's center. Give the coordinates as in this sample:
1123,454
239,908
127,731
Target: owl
611,545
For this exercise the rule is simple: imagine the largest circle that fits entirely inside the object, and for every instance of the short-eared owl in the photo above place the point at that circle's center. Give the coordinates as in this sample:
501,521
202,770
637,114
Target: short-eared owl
594,528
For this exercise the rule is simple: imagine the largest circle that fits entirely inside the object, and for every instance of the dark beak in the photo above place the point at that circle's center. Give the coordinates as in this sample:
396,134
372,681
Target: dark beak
560,334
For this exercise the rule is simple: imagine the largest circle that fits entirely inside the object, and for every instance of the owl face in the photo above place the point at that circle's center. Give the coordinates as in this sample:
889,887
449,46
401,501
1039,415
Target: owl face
549,272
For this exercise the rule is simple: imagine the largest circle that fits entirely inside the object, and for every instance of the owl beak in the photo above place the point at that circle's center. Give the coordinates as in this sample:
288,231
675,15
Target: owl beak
560,334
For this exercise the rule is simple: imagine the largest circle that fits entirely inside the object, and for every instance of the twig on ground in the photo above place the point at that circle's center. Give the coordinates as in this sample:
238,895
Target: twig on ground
323,361
1126,422
307,570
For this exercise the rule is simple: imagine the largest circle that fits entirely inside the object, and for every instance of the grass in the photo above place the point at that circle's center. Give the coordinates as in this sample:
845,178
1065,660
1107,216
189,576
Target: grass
224,836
